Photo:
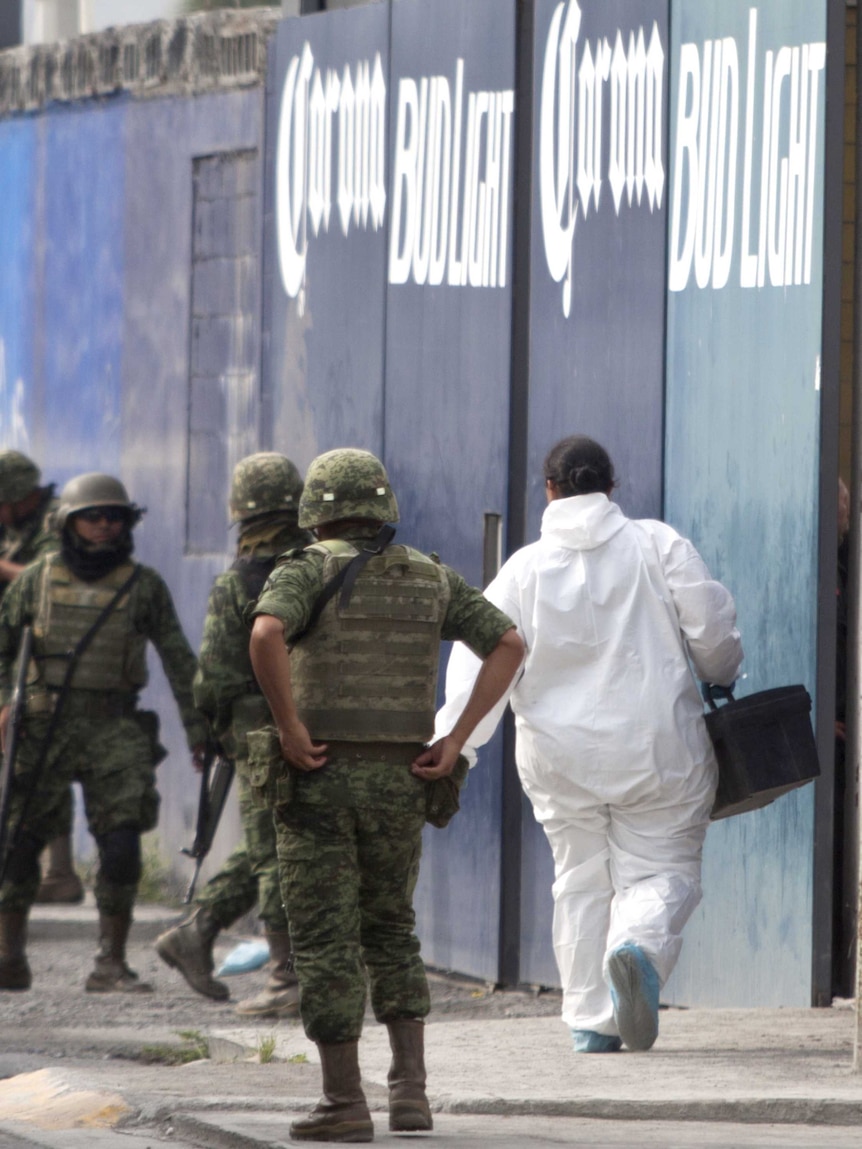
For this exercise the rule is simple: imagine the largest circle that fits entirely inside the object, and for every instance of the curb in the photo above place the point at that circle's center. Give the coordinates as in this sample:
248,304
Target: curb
204,1129
743,1111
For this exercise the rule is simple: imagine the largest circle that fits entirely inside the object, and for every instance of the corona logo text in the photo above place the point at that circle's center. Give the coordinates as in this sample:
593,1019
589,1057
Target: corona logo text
330,152
581,85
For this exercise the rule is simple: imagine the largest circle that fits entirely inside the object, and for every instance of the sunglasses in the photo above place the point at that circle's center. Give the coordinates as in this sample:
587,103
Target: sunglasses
109,514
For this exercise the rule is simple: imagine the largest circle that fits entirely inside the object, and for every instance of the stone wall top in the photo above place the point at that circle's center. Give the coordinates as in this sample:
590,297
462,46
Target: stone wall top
200,53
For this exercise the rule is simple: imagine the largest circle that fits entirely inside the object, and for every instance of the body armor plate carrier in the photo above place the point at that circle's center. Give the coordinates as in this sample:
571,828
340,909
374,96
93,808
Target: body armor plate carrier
67,608
368,672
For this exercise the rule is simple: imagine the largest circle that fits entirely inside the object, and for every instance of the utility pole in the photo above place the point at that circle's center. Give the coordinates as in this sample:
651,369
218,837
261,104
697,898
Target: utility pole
854,698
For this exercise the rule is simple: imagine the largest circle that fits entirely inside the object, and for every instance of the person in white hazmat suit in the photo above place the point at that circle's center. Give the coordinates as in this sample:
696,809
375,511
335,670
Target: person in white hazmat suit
612,749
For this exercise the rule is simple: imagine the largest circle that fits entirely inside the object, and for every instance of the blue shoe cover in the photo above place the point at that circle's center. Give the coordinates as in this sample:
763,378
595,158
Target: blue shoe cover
588,1041
244,958
635,994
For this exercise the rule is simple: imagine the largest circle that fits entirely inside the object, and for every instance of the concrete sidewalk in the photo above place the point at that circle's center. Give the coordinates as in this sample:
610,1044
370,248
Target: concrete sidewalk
775,1067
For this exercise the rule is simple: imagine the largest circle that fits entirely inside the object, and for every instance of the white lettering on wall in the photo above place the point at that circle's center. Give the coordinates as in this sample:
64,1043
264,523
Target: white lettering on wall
317,108
447,224
581,84
781,108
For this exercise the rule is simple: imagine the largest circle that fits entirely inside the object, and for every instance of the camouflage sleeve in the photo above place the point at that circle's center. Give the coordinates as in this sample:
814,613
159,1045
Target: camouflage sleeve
157,618
224,667
290,592
45,542
471,619
16,612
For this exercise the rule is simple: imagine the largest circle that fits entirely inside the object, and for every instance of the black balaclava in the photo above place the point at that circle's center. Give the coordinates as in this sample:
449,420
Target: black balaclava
92,561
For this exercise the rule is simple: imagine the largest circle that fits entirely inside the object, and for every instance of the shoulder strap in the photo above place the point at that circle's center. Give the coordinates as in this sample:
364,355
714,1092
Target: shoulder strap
346,579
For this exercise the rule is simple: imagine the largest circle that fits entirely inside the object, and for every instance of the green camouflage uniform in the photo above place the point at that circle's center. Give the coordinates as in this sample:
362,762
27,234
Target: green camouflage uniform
102,740
31,539
225,690
350,839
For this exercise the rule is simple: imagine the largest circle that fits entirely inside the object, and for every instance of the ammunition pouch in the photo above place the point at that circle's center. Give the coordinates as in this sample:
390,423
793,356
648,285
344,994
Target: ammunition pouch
442,795
148,721
270,778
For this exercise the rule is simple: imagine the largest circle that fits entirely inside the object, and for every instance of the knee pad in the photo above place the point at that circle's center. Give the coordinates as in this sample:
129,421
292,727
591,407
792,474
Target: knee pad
120,856
23,864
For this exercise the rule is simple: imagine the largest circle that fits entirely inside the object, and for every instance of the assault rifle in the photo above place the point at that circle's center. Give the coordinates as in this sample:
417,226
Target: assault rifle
214,792
13,736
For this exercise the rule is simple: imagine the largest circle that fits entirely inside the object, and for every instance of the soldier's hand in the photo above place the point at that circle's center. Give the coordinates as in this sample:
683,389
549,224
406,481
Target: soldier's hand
5,715
438,760
298,749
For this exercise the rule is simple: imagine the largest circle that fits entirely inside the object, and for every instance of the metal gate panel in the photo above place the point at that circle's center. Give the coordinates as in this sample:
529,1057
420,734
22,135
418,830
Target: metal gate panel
596,298
162,139
325,238
447,376
742,449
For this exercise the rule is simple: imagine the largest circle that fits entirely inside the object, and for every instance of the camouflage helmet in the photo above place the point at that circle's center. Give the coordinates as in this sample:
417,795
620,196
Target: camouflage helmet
346,484
18,476
263,483
93,490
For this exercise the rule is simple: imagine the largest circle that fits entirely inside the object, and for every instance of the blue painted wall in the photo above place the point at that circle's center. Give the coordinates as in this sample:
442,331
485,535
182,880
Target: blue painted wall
17,303
95,334
447,381
741,471
599,209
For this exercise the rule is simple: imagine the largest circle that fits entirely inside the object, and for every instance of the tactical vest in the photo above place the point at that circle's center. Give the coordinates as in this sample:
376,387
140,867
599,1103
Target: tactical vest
67,607
368,672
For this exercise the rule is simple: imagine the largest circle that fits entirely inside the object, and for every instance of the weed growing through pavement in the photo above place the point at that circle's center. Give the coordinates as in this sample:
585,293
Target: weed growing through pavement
195,1047
266,1048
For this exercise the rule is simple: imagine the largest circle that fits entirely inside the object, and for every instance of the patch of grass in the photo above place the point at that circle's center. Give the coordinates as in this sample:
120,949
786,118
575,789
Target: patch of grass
195,1047
266,1048
298,1059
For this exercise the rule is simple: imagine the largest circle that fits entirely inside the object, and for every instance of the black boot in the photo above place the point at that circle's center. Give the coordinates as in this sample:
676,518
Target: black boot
110,972
14,970
409,1111
188,948
342,1112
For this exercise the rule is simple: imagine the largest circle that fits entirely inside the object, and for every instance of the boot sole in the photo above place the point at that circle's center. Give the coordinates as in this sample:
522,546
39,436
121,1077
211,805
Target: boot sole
346,1133
268,1014
169,960
412,1121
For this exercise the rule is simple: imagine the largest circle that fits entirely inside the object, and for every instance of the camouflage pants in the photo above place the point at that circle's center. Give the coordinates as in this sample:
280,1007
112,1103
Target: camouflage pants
112,758
250,875
349,845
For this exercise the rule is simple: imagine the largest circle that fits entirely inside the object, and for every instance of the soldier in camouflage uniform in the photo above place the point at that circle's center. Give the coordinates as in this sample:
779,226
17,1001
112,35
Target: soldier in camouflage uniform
89,729
264,501
26,510
353,703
